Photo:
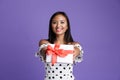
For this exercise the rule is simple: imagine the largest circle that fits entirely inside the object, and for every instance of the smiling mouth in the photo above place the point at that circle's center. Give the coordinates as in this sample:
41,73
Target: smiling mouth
58,30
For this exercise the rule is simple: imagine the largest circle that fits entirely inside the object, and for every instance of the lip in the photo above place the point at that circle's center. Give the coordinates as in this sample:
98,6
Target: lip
58,30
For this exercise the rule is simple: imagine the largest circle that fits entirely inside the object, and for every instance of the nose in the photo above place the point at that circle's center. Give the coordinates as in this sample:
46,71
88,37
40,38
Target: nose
58,24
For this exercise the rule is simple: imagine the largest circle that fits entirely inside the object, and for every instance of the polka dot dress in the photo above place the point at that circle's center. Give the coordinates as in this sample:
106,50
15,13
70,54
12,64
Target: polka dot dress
60,71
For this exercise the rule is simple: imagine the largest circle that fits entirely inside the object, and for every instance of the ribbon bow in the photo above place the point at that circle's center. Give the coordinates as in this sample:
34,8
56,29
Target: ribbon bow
57,52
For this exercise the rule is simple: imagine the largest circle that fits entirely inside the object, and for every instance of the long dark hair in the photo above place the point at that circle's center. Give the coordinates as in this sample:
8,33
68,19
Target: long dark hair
52,36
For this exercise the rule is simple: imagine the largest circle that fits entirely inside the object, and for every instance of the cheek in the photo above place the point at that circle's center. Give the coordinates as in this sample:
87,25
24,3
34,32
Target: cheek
53,26
66,27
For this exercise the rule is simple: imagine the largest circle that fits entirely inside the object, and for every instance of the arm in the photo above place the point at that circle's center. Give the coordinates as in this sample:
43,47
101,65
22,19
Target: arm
42,49
78,52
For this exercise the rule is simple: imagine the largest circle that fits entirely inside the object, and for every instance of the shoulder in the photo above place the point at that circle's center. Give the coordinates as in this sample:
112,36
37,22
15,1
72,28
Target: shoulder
43,41
74,43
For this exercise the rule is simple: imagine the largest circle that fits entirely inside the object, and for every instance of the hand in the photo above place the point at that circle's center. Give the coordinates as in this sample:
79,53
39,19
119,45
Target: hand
76,52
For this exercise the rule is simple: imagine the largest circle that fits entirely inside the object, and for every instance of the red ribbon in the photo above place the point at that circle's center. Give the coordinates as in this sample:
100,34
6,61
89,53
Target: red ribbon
57,52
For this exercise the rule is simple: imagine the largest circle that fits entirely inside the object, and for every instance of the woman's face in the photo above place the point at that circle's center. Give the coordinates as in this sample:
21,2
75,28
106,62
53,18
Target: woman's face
59,24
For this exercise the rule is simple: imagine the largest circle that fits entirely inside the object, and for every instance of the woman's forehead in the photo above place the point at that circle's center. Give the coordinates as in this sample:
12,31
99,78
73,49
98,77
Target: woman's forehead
59,17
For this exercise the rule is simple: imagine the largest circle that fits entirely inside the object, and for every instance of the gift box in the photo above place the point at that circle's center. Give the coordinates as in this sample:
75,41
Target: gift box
59,53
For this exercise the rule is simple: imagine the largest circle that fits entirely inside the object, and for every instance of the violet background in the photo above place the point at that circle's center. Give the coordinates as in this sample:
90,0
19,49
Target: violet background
94,23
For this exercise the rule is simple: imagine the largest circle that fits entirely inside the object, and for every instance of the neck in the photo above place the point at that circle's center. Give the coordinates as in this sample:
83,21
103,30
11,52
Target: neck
60,39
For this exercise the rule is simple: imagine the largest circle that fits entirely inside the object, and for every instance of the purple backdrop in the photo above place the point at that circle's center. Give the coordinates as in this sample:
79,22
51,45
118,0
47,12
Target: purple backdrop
94,23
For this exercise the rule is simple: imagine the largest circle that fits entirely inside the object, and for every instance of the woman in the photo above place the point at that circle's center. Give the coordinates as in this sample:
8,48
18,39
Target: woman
59,33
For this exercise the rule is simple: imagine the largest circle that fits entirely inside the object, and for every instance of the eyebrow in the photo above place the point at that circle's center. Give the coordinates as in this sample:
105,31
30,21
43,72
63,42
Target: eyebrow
56,20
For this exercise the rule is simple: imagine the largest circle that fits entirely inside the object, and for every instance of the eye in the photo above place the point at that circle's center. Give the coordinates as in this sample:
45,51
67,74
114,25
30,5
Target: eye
62,22
54,22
